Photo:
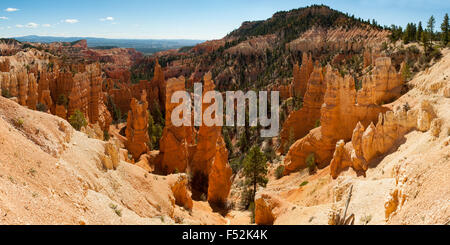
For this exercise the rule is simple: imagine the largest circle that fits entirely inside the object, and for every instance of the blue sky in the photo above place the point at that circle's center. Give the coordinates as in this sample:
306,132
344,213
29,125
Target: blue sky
193,19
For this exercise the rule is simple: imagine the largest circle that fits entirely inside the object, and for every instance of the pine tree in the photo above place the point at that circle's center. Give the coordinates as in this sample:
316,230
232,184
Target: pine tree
445,30
430,27
419,31
410,33
255,169
425,41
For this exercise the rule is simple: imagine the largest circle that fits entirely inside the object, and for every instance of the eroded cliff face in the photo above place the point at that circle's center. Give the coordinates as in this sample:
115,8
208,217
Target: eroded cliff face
374,141
354,39
343,108
302,75
37,79
309,114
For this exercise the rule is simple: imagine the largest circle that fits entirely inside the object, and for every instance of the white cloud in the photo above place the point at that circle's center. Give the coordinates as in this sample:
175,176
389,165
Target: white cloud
3,18
11,10
109,18
32,25
47,25
71,21
19,26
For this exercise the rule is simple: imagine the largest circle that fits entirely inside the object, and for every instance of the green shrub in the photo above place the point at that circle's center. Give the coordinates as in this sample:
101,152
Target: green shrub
62,100
279,172
41,107
6,94
18,122
77,120
236,165
311,162
317,124
154,132
106,135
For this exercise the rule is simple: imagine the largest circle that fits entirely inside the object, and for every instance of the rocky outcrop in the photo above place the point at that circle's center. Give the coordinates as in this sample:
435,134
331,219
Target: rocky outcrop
257,46
383,84
44,94
82,44
209,166
302,74
137,127
367,144
110,159
22,81
354,39
32,96
309,114
174,141
94,99
219,178
104,116
157,87
181,192
268,208
121,97
61,111
343,108
5,65
397,196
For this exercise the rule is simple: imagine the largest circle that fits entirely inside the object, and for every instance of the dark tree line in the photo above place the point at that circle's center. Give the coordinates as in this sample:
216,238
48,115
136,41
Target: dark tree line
416,33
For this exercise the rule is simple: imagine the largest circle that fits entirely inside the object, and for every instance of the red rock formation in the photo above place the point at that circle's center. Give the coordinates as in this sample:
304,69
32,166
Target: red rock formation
43,84
62,85
309,114
343,108
4,65
46,99
302,74
76,96
209,166
174,141
105,118
367,144
268,208
121,75
285,91
382,86
61,111
122,98
319,39
208,46
181,192
32,97
82,44
136,89
4,81
13,85
94,99
157,88
137,127
22,79
219,178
